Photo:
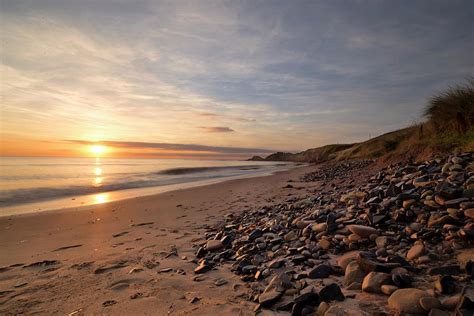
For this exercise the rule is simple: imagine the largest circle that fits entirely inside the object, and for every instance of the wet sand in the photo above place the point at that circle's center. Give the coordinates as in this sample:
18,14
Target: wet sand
131,256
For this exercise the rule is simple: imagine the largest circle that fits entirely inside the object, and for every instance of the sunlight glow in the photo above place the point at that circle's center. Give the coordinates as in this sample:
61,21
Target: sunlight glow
98,171
101,198
97,149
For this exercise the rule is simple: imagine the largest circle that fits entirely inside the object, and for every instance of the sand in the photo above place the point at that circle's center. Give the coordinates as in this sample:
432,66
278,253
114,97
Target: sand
131,257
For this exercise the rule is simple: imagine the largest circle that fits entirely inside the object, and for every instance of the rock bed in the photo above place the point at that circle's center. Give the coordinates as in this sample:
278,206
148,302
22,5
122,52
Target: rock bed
338,170
401,243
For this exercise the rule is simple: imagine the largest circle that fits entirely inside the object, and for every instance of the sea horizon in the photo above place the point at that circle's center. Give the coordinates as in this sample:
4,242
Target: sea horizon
32,184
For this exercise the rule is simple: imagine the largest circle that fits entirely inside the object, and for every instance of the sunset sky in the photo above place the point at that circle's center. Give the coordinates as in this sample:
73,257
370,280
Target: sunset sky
221,79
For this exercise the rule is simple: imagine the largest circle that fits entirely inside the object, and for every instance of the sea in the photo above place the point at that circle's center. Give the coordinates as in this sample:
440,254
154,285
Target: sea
29,185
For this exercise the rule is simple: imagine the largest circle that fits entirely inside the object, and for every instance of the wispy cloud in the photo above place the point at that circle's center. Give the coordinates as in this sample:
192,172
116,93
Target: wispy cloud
287,76
216,129
179,147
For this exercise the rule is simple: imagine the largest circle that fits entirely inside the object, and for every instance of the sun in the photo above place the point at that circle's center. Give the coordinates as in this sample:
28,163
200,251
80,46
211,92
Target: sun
97,149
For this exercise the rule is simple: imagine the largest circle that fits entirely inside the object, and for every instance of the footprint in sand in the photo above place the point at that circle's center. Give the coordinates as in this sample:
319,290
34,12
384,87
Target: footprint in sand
113,266
66,247
119,234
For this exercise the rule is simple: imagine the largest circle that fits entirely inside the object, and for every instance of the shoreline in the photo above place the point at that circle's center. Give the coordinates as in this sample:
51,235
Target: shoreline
128,234
74,202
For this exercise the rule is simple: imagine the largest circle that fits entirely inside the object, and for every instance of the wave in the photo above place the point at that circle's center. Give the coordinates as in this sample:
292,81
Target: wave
130,181
179,171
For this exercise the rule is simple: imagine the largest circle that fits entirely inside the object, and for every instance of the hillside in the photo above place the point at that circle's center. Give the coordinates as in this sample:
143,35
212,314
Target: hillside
411,143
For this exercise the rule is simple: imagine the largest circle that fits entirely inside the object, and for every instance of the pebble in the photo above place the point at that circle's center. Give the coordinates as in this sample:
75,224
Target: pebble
320,272
374,280
407,300
395,233
214,245
428,303
362,231
415,251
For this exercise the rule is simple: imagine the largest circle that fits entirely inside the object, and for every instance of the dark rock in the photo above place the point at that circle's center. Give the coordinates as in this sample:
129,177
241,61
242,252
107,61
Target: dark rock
331,292
445,284
320,272
269,298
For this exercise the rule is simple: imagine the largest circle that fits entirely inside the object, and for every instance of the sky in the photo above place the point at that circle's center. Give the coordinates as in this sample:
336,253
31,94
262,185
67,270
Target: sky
221,79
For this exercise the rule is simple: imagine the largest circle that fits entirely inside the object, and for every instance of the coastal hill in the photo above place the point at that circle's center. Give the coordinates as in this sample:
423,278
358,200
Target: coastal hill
449,127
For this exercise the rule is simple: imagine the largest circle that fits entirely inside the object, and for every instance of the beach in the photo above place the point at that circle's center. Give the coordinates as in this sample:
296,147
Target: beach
323,239
131,240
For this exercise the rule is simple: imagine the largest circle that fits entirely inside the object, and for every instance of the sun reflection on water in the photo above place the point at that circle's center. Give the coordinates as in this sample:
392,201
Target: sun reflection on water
101,198
98,171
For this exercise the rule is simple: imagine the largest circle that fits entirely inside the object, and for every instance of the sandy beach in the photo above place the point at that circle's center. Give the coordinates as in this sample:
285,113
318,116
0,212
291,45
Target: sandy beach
114,258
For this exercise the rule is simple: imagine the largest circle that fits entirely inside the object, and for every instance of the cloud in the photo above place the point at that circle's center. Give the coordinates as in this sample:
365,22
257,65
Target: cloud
216,129
289,76
177,147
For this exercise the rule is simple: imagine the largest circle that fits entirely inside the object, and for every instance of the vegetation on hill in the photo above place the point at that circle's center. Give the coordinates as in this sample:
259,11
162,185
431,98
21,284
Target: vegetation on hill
449,126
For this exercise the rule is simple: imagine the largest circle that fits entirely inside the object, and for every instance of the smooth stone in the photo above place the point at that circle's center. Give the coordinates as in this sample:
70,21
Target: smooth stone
353,273
213,245
429,303
202,269
322,309
344,260
290,236
220,282
320,272
407,300
362,231
319,227
269,298
356,286
437,312
469,213
388,289
324,244
374,280
415,252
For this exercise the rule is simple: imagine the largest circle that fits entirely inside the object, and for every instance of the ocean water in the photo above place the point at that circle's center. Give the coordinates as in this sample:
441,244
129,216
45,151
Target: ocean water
38,184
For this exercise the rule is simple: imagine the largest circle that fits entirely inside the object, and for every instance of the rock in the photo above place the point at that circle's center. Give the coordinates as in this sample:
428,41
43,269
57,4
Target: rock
322,309
455,202
220,282
353,273
203,268
445,284
428,303
344,260
415,251
469,213
453,269
325,244
290,236
374,280
437,312
269,298
305,299
331,292
319,227
320,272
279,282
381,242
388,289
362,231
214,245
407,300
401,278
277,263
194,300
